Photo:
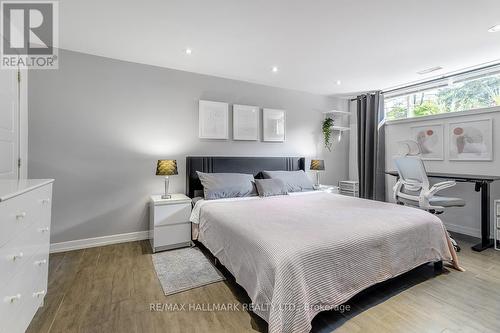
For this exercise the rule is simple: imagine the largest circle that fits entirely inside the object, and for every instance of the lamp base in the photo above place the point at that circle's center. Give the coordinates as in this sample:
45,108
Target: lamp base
166,195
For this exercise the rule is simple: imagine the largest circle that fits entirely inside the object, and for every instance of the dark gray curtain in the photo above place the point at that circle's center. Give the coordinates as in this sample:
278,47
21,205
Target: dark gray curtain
371,146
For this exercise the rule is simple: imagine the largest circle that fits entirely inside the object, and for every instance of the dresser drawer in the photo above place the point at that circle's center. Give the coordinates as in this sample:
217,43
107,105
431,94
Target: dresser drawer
168,236
171,214
36,290
20,299
21,211
17,213
497,208
20,250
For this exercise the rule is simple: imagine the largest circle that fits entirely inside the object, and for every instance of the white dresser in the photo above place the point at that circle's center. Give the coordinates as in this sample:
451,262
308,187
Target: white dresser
25,215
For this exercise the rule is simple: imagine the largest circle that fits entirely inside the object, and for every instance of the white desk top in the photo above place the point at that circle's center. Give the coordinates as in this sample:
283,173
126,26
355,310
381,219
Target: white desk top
10,188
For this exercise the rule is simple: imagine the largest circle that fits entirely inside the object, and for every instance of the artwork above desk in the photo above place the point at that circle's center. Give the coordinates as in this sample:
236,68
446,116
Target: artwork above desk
482,184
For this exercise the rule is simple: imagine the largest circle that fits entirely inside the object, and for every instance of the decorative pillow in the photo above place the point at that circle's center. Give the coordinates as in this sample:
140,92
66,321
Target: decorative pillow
227,185
295,181
270,187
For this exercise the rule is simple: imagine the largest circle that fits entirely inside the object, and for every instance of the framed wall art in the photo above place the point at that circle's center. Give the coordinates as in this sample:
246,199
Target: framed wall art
245,122
471,140
274,125
213,120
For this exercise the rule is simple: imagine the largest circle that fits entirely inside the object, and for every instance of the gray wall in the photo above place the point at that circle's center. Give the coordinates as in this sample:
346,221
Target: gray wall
98,125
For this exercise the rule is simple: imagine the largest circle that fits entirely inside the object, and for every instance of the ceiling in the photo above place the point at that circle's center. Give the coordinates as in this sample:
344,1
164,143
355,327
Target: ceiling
367,45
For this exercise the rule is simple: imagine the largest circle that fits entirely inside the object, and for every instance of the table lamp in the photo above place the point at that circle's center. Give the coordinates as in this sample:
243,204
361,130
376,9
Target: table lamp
166,168
317,165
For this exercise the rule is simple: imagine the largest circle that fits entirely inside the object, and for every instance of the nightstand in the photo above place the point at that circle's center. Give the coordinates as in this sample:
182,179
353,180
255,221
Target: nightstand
328,189
169,225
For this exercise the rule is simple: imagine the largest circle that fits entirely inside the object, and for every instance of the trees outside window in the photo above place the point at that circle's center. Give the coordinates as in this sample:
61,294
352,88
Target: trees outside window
462,95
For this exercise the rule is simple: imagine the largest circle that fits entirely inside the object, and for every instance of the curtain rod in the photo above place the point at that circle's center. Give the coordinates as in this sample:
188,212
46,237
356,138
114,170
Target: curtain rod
441,78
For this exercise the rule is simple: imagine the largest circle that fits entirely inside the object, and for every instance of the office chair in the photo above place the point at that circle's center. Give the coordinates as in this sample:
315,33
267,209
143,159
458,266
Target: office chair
413,187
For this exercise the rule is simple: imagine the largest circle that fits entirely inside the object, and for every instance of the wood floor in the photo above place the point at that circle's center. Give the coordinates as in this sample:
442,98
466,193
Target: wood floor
110,289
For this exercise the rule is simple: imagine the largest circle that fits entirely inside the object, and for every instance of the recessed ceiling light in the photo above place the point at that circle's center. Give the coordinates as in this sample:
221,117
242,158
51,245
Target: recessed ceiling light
274,69
189,51
495,28
429,70
339,82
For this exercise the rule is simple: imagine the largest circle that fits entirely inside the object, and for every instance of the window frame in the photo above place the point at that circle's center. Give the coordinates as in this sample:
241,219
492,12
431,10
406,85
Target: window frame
442,82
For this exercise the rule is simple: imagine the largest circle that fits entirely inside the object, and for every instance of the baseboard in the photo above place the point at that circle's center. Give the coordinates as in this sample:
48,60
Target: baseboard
98,241
474,232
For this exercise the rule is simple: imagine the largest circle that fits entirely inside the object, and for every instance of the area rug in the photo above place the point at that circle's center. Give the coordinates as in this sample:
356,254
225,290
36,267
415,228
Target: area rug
184,269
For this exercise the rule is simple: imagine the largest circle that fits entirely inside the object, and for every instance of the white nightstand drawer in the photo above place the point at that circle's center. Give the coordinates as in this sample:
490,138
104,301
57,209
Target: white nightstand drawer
497,210
171,236
171,214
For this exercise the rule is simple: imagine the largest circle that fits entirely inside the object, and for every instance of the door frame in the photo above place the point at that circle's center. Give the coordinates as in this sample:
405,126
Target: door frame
22,171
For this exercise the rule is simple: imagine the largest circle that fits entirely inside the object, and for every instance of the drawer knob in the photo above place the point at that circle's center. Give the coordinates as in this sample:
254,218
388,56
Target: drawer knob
38,294
46,229
20,216
45,201
17,256
12,299
41,262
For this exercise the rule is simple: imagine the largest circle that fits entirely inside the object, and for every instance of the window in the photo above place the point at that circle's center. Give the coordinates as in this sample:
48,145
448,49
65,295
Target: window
450,95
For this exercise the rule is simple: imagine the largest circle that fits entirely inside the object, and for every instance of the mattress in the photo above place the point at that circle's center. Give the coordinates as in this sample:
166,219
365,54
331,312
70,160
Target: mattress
298,255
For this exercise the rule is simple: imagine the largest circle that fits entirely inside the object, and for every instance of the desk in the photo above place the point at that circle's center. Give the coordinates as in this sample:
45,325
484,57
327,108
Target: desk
482,184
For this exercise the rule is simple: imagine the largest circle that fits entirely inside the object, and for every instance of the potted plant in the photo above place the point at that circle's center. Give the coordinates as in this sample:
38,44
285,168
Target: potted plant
327,132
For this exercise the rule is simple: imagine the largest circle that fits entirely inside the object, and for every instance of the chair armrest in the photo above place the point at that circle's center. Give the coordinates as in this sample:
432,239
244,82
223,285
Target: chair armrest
439,187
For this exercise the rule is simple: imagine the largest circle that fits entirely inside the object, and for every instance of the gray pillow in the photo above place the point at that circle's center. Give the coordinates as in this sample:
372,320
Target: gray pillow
195,200
295,181
270,187
227,185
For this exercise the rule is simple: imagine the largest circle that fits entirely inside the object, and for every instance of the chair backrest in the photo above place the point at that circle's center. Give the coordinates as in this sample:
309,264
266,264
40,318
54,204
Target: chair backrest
412,177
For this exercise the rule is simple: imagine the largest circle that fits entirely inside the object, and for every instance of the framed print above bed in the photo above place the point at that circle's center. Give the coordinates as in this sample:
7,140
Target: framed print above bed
213,120
245,122
430,139
274,123
471,140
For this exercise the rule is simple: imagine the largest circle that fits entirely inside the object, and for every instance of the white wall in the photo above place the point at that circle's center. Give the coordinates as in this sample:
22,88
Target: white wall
98,125
464,220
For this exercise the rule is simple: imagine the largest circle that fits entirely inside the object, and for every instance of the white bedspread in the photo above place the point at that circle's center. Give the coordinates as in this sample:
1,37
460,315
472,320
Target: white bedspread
299,255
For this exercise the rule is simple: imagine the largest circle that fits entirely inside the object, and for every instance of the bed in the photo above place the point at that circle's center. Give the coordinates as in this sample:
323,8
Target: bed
297,255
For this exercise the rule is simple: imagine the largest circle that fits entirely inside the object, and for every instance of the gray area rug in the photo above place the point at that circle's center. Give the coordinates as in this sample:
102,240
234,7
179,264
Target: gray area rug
184,269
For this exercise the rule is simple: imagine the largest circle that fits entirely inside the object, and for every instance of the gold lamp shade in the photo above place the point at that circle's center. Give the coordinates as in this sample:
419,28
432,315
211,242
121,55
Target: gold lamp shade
166,168
318,165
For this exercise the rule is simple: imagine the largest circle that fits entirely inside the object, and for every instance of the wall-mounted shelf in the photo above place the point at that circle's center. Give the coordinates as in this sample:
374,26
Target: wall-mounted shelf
339,128
339,118
343,113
